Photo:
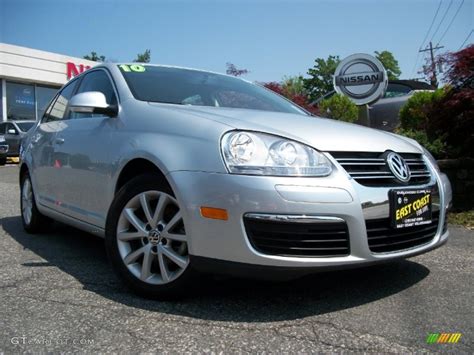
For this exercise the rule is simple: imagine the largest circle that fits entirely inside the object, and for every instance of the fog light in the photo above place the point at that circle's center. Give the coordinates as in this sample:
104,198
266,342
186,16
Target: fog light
214,213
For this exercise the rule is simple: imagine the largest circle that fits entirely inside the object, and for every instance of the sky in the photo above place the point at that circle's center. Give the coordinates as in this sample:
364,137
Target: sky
271,39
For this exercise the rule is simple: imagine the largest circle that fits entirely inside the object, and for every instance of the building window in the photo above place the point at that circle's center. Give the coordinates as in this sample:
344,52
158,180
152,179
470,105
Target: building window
44,95
20,101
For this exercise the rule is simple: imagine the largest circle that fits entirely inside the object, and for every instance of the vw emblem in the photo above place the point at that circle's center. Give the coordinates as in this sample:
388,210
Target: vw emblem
398,167
361,77
154,236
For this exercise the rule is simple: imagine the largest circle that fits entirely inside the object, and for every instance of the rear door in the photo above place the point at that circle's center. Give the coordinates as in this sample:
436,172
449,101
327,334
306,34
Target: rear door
84,151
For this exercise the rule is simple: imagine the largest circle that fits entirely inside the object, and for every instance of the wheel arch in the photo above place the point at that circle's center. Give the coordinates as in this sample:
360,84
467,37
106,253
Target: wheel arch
136,167
23,170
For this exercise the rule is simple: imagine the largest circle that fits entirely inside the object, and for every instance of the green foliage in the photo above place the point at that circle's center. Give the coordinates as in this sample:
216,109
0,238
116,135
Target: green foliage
415,114
144,57
465,219
390,64
294,85
339,107
435,146
320,80
95,57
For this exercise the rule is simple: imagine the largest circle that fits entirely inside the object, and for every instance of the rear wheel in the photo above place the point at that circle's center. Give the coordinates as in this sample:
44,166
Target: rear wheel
146,239
3,161
33,220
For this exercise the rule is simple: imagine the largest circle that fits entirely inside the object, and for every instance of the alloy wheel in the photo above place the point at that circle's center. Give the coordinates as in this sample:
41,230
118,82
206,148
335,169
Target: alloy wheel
151,238
27,201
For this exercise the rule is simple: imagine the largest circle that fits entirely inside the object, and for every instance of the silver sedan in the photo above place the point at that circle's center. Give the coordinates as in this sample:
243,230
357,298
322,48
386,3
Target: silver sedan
184,171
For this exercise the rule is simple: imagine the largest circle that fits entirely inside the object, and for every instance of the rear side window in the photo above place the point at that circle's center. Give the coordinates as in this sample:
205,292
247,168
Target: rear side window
58,110
395,90
2,128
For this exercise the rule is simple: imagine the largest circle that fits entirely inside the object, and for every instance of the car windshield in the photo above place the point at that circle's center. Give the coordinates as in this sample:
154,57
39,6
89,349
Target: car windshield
25,126
193,87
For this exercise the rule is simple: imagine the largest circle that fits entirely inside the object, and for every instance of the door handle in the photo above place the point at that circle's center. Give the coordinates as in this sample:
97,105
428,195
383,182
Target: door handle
59,140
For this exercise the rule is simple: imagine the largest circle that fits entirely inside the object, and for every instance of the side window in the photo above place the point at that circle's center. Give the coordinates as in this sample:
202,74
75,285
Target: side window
97,80
2,128
395,90
58,110
48,109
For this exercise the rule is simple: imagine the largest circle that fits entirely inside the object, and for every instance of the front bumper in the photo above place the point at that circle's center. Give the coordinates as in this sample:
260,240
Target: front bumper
336,196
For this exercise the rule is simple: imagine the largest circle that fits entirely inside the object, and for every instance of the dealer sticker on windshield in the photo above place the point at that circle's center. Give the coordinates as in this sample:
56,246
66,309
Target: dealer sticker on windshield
410,208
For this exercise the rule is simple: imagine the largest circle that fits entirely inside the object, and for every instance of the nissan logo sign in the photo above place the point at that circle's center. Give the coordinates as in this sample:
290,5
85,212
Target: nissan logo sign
362,78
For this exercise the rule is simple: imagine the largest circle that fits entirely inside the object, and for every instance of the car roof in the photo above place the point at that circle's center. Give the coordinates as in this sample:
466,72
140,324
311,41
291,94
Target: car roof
413,84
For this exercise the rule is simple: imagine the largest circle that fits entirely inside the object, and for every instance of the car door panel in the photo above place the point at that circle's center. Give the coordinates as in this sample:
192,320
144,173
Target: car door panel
81,155
42,148
82,151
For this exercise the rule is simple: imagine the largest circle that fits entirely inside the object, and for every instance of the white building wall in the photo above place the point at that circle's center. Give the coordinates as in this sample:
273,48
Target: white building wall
31,65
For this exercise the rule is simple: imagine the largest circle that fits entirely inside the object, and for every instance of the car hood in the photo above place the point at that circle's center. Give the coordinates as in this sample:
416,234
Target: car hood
320,133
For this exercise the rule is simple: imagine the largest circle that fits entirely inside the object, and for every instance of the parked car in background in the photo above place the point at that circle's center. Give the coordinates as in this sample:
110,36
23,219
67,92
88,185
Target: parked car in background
14,131
3,150
184,170
383,114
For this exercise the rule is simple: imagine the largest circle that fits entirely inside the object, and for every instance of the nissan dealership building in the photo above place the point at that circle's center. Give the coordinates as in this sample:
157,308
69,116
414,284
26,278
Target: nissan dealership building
29,79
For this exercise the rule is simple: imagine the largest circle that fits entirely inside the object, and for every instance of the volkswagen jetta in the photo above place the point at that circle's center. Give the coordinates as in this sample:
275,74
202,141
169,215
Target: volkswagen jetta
183,170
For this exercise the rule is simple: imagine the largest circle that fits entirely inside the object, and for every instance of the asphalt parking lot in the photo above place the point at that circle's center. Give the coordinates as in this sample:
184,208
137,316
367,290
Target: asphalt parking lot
59,294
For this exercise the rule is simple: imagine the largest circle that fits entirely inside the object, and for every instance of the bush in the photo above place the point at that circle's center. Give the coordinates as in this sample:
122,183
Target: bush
415,114
437,147
339,107
452,118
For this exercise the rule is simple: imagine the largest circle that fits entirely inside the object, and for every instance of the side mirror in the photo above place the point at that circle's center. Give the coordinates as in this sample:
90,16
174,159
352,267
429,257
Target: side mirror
12,131
92,102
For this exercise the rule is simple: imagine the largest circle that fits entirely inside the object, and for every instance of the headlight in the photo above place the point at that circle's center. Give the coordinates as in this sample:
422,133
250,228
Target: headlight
431,159
263,154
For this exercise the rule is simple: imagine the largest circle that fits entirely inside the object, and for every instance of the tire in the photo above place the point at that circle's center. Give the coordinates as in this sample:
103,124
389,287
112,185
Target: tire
3,161
32,219
146,241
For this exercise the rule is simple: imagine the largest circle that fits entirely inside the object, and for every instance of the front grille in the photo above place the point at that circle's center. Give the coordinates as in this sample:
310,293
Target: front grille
383,238
314,239
371,169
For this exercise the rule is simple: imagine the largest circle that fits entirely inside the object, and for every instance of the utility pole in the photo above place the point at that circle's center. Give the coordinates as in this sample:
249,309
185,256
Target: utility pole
434,80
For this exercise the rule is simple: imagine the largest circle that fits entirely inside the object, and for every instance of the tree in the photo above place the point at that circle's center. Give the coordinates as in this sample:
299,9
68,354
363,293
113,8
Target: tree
390,64
320,81
443,120
94,57
144,57
299,98
294,85
232,70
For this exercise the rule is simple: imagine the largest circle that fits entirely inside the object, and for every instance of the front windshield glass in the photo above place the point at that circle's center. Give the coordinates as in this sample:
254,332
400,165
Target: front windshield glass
193,87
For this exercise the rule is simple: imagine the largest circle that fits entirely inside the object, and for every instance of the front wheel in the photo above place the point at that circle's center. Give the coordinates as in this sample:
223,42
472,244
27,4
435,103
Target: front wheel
146,239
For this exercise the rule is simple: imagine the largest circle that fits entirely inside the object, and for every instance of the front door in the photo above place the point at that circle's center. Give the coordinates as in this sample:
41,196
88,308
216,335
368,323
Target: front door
83,155
42,145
